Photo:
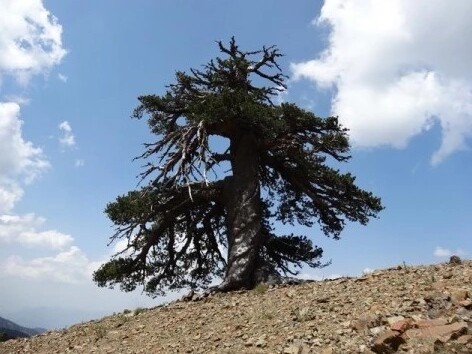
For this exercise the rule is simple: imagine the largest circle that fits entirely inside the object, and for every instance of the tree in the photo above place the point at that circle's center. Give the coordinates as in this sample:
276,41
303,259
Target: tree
189,212
4,337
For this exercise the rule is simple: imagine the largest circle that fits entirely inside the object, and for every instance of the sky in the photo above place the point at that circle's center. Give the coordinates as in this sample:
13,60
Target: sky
398,74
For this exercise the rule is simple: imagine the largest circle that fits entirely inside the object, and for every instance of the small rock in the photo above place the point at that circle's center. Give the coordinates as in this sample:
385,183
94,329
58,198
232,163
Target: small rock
447,275
377,330
401,326
465,339
293,349
261,343
364,322
459,295
361,279
189,296
394,319
431,323
290,294
322,300
455,260
388,342
196,297
328,350
442,333
466,304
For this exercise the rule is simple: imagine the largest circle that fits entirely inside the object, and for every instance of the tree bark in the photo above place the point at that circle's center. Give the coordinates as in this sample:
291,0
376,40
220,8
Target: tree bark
244,213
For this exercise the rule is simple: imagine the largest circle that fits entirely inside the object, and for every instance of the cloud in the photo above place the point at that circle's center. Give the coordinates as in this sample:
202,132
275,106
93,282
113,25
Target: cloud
444,252
19,157
31,44
392,78
79,163
67,138
20,100
23,230
10,194
71,266
318,277
62,77
20,161
30,39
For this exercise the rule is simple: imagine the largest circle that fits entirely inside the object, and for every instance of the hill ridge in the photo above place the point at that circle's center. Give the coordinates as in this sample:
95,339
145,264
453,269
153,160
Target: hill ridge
404,309
14,330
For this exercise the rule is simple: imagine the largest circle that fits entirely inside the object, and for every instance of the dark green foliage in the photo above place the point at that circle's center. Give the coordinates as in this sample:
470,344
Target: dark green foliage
7,334
178,224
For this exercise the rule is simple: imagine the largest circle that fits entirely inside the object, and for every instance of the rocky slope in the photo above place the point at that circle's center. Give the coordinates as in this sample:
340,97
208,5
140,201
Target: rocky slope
398,310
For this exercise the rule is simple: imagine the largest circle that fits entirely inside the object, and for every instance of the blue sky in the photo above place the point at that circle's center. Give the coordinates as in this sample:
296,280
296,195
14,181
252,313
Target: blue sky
70,73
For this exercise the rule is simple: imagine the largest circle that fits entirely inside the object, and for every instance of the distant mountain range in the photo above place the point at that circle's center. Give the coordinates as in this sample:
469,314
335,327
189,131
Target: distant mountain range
10,330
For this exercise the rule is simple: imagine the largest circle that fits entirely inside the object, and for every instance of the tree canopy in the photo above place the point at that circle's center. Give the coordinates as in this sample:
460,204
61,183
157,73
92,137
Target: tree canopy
191,221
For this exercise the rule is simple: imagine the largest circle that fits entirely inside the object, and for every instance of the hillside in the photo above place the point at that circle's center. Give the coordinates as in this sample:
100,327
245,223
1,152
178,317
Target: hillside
11,330
405,309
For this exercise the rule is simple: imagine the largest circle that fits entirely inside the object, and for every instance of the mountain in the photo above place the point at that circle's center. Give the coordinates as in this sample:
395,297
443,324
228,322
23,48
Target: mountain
10,330
404,309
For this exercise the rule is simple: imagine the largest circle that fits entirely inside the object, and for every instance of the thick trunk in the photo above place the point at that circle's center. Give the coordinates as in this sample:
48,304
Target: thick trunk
244,220
243,206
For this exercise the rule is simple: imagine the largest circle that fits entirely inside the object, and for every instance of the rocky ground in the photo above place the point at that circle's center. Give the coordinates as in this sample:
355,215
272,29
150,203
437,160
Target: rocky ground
399,310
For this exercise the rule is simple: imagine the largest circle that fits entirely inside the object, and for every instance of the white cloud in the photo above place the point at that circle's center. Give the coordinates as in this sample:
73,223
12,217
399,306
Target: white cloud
10,194
67,138
20,100
318,277
120,245
367,271
444,252
31,44
20,161
309,276
71,266
30,39
79,163
62,77
393,77
23,230
18,157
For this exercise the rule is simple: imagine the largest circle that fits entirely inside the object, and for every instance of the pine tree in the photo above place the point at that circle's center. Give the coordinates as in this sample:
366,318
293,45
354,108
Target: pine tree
191,221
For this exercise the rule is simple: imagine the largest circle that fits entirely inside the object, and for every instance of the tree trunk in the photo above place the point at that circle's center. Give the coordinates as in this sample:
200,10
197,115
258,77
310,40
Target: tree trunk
244,214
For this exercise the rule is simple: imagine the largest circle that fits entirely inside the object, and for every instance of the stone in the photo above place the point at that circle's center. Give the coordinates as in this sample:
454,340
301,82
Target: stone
261,342
249,343
387,310
196,297
455,260
420,346
365,322
442,333
392,320
188,296
328,350
437,304
293,349
431,323
448,275
465,339
402,325
376,330
458,295
387,342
